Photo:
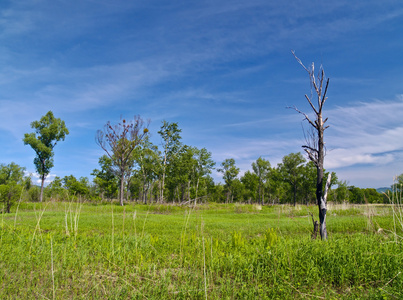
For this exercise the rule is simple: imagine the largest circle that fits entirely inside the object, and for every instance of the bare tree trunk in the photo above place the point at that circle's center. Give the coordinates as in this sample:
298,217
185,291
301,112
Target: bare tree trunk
163,176
323,209
122,187
197,187
42,184
189,190
315,144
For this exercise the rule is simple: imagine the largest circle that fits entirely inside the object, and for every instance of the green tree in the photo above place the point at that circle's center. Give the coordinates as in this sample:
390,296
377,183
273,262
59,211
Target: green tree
276,186
11,173
147,158
9,194
230,172
80,187
171,144
261,168
11,184
55,189
308,182
340,194
291,169
356,195
251,183
105,180
180,173
203,167
372,196
48,131
119,142
238,190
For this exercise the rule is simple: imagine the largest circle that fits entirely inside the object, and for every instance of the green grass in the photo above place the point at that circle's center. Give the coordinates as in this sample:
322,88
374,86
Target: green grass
69,250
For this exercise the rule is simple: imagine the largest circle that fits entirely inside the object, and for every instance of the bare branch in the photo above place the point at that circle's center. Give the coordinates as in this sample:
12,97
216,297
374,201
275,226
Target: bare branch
310,103
306,147
299,61
324,94
304,114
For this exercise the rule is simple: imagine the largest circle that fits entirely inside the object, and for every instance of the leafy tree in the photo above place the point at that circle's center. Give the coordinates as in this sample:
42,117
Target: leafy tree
308,182
76,187
9,194
11,184
251,183
291,169
261,168
170,134
372,196
276,186
217,192
48,131
106,181
341,193
55,189
180,173
204,166
230,172
356,195
119,141
11,173
238,190
147,158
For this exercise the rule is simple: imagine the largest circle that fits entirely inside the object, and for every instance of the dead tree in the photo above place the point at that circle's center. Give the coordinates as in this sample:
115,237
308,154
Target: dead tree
315,145
119,141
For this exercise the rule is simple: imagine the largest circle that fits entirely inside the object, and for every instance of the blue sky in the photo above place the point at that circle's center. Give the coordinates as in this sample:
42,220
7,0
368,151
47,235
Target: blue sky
223,70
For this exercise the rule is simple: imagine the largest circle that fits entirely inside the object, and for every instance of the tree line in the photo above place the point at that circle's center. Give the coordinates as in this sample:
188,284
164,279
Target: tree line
171,172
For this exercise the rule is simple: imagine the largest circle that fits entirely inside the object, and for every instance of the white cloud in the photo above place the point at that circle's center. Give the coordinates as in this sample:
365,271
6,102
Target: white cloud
365,133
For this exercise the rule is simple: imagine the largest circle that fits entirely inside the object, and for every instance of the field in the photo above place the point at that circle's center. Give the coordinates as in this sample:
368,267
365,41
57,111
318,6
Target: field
69,250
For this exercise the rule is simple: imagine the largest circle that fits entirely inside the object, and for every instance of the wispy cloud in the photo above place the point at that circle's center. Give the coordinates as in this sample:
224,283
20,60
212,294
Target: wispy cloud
216,67
364,133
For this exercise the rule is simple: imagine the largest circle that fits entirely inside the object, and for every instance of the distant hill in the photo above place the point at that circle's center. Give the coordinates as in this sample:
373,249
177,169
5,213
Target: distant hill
383,189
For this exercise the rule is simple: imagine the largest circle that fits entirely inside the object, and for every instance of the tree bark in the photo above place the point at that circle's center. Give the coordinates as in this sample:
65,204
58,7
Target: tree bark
122,187
42,184
323,210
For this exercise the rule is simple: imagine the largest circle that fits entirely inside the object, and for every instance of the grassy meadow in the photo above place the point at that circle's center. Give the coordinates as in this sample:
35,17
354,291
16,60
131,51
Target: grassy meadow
70,250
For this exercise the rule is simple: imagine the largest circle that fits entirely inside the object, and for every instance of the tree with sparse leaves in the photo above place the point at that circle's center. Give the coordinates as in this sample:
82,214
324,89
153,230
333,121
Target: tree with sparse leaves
119,141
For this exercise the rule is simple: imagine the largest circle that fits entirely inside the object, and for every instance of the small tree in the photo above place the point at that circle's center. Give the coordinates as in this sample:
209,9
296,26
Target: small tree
171,144
315,144
148,160
291,169
119,141
48,131
261,168
11,184
105,180
230,173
